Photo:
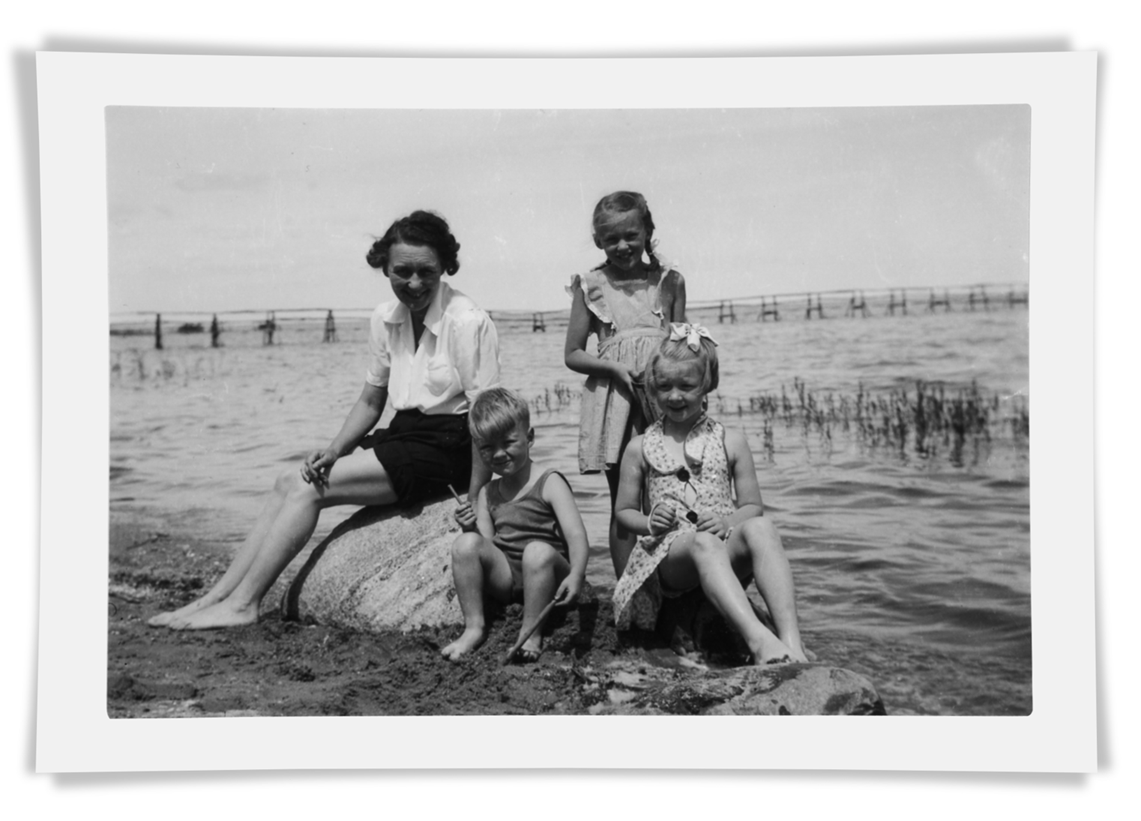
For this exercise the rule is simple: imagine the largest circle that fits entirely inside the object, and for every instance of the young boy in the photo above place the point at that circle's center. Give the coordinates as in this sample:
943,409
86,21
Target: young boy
525,533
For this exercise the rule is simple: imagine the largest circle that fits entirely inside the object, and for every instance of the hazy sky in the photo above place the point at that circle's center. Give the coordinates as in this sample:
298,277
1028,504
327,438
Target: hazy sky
220,209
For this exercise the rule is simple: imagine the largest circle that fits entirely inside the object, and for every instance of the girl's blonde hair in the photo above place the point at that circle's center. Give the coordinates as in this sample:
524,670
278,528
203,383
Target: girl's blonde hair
495,413
678,350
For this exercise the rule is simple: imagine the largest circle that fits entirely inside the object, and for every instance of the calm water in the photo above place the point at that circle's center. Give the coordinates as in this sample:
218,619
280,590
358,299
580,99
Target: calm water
913,569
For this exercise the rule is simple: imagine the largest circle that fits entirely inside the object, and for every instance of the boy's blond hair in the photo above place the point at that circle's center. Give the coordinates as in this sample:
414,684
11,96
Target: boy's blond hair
495,413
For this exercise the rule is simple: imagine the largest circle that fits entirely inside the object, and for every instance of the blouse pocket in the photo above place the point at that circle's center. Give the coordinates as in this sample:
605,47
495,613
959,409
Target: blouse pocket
439,375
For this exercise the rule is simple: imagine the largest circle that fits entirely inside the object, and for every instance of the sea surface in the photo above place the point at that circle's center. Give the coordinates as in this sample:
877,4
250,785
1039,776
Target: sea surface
911,557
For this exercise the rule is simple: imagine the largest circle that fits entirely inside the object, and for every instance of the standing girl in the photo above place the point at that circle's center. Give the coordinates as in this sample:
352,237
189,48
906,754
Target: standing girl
706,526
628,303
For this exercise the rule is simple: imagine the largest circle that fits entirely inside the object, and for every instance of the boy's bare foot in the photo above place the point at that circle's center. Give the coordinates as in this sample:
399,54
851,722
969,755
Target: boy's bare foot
470,640
222,614
530,651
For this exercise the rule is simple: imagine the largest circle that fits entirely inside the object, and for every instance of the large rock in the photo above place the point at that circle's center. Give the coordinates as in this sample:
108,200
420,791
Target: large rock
381,569
786,689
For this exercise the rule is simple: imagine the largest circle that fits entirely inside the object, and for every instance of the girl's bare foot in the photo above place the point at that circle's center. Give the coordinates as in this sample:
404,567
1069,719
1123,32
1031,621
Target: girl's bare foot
472,638
222,614
771,650
797,652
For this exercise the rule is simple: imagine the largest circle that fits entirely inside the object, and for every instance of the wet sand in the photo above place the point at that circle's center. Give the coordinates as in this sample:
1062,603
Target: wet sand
280,668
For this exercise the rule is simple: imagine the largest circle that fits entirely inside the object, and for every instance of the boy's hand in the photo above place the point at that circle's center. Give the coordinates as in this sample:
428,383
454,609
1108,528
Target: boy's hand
663,517
465,516
712,523
317,465
568,591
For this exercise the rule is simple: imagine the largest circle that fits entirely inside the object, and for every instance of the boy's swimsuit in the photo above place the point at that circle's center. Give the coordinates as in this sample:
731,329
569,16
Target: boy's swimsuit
627,316
528,518
638,594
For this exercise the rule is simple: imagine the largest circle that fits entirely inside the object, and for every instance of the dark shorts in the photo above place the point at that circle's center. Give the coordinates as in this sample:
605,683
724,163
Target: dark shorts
422,455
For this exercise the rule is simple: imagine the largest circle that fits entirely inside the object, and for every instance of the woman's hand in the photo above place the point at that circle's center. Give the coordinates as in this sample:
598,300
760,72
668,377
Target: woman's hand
465,515
663,516
712,523
317,465
568,591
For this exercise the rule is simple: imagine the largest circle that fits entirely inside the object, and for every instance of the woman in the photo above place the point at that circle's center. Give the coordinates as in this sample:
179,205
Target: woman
432,351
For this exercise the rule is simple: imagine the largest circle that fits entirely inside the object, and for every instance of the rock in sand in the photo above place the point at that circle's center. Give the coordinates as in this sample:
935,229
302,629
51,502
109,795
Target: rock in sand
381,569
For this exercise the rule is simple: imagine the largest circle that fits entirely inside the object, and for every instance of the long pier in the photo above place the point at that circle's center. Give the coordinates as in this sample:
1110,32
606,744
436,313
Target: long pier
844,304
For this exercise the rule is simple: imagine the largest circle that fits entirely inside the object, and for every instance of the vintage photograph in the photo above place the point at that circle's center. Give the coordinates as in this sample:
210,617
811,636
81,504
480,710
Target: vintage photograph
569,411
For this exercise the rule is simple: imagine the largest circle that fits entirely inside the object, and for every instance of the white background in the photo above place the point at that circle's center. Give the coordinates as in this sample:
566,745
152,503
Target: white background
722,30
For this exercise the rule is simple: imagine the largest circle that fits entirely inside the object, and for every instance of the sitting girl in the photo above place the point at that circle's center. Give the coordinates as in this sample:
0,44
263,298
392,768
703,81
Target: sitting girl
525,535
705,527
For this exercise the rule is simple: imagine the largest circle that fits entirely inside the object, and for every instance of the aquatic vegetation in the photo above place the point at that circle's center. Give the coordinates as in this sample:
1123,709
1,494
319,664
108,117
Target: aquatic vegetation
925,420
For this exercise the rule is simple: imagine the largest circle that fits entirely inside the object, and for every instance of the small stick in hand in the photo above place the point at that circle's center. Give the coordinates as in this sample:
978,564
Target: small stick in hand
455,495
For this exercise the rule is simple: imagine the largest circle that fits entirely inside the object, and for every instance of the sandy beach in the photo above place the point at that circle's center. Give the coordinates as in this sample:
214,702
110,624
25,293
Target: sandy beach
280,668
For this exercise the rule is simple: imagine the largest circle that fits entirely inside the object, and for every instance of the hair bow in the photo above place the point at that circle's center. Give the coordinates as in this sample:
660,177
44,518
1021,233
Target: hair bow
692,334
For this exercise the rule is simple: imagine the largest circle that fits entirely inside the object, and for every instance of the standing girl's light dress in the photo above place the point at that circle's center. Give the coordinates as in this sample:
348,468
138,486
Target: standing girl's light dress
627,316
638,594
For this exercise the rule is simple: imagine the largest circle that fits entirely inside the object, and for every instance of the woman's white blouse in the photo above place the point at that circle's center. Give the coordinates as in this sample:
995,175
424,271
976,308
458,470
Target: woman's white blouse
458,355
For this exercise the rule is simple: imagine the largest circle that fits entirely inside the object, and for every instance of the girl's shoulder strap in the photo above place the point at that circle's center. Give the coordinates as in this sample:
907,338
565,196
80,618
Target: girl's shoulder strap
654,454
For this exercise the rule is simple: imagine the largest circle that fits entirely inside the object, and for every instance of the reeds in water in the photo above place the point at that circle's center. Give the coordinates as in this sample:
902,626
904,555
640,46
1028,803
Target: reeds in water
923,420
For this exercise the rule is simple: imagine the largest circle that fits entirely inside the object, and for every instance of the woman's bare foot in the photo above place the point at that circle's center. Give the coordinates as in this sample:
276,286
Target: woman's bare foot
222,614
470,640
165,619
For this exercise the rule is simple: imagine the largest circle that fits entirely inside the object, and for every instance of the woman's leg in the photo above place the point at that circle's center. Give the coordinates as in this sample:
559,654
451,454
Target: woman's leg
478,568
242,559
544,568
702,558
357,479
756,544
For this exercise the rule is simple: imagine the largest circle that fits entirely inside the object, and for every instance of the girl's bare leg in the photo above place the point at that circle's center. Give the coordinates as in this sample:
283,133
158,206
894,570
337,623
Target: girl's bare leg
355,479
760,542
543,571
478,567
703,559
622,541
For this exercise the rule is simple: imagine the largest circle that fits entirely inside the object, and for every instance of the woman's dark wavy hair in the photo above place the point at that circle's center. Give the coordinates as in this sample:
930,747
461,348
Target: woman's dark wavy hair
418,228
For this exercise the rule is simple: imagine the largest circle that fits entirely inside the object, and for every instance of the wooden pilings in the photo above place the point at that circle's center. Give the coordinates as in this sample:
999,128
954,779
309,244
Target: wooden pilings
934,302
981,296
819,308
268,328
901,304
768,310
158,332
1013,299
538,323
725,311
857,305
330,328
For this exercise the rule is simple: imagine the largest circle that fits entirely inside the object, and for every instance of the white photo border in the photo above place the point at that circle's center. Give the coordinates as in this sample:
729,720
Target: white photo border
74,733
